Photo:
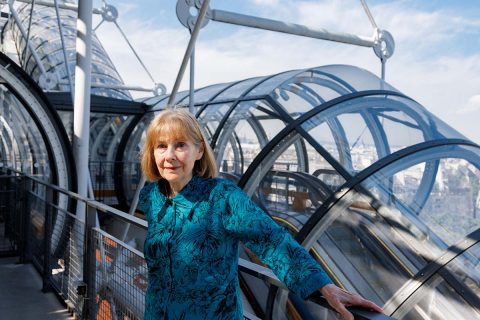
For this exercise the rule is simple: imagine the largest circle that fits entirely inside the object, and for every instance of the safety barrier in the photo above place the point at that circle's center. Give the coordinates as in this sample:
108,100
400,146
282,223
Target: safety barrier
96,274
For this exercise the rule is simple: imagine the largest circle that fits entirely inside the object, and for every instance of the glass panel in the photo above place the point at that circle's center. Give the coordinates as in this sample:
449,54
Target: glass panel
355,244
162,104
327,138
294,100
289,187
393,124
47,44
267,86
248,129
154,100
451,294
431,126
331,136
238,89
361,146
131,156
211,117
356,78
371,242
439,195
204,94
324,89
466,269
268,118
27,150
456,190
400,129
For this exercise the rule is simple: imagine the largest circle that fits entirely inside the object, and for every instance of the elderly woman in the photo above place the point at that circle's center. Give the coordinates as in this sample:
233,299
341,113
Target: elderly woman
195,224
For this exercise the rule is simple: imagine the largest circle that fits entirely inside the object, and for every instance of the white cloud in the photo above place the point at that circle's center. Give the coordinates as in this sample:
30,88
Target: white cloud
266,2
472,105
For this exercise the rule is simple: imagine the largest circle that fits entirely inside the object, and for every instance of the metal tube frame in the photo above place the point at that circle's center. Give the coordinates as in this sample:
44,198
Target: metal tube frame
191,95
47,240
118,86
191,44
289,28
81,111
61,5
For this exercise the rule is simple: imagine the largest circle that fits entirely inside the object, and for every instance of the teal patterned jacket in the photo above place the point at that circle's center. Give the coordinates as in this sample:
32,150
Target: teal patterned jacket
192,250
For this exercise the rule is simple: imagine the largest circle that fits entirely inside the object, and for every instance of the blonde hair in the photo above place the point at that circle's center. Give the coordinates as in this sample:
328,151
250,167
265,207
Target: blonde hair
177,125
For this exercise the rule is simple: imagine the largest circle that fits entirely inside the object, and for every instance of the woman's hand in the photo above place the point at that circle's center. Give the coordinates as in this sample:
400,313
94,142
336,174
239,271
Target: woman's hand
339,299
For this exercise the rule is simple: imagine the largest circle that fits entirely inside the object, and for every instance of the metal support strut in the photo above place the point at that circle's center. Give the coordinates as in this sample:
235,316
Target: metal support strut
382,41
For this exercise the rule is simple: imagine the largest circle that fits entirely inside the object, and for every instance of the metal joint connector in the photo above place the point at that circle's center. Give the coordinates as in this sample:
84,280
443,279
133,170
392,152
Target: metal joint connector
383,45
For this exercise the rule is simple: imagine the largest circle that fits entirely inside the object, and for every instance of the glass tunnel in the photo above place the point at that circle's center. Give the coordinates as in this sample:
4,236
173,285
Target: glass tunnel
385,195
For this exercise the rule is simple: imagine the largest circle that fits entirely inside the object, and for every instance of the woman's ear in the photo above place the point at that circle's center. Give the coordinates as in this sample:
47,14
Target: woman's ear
201,149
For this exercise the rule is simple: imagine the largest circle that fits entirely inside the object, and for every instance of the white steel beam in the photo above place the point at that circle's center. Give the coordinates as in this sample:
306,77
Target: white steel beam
81,106
290,28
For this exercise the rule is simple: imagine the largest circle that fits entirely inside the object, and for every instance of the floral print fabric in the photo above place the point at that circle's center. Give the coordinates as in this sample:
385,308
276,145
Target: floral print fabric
192,250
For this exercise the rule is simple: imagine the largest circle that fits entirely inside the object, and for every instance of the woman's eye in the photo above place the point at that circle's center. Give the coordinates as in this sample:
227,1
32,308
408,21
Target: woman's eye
181,144
161,146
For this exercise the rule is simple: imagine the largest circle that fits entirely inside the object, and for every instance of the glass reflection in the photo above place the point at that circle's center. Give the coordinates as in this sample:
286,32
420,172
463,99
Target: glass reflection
452,293
25,144
437,194
244,135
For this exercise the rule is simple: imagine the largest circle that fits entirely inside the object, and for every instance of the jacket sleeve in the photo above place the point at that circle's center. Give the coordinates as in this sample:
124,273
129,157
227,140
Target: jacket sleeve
292,264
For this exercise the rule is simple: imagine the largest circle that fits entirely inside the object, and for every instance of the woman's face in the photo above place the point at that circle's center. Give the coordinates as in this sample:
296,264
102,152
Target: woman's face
175,160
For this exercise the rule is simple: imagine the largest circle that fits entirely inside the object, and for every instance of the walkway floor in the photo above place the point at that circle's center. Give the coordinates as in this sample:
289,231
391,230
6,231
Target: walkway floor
21,295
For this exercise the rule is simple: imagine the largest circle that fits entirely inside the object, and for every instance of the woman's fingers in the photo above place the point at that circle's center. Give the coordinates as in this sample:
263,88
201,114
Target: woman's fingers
340,308
339,299
370,305
358,301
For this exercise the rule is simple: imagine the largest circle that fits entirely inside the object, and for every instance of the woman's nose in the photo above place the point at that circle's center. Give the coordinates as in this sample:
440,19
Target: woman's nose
170,153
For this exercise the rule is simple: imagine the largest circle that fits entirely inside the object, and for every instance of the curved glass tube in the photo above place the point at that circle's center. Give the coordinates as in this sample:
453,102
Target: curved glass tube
374,185
46,40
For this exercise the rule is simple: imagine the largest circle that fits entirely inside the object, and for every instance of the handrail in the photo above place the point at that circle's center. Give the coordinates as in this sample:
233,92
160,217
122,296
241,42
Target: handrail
91,203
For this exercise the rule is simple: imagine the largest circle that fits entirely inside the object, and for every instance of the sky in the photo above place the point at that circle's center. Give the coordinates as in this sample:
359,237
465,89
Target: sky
436,59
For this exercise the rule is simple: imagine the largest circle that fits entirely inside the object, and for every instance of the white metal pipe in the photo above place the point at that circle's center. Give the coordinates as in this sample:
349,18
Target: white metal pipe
191,97
25,36
383,68
191,44
369,14
290,28
81,106
134,51
122,87
115,86
67,6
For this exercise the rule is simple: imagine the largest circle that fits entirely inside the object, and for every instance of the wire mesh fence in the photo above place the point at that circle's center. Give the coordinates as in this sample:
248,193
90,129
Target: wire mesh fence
10,204
120,278
66,262
103,181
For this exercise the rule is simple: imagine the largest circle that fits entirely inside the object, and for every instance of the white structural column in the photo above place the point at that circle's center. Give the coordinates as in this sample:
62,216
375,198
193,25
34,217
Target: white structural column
81,106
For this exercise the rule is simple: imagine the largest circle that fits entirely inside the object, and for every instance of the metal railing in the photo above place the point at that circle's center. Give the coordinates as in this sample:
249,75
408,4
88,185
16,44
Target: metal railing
95,273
